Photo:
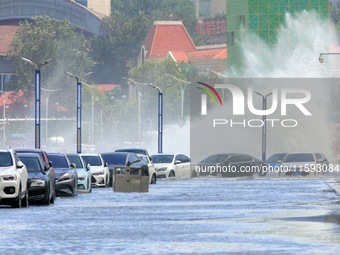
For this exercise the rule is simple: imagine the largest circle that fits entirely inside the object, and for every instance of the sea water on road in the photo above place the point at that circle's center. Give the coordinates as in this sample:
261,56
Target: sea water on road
198,216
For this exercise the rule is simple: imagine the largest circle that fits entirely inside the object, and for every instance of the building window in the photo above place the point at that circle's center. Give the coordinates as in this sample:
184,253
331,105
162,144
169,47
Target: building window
82,2
242,20
230,38
4,81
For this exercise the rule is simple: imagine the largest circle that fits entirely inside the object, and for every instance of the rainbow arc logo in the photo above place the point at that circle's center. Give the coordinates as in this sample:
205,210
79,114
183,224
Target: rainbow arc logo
213,94
209,90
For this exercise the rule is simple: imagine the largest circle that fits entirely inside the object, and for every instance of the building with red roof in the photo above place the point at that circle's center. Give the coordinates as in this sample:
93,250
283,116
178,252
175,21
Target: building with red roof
170,39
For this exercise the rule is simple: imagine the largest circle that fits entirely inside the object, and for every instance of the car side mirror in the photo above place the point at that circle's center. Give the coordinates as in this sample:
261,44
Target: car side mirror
47,167
106,164
279,161
128,163
50,163
20,164
88,167
178,162
73,166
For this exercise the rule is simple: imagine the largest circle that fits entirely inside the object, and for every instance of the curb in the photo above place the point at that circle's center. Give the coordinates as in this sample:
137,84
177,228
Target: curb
335,185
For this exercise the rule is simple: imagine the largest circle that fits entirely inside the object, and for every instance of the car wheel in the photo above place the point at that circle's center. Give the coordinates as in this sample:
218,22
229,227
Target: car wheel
17,202
53,197
154,179
47,197
24,201
194,174
172,173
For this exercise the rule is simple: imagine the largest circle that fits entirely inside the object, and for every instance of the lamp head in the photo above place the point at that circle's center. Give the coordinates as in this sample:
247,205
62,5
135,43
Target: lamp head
321,59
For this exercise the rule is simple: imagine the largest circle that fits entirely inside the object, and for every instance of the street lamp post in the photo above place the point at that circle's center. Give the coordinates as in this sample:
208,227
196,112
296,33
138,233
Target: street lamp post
139,91
78,104
264,127
183,84
321,59
160,118
37,97
4,117
47,93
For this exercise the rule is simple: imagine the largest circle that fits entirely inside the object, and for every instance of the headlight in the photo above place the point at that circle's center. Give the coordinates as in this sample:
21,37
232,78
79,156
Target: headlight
65,177
120,170
11,177
98,173
162,169
38,183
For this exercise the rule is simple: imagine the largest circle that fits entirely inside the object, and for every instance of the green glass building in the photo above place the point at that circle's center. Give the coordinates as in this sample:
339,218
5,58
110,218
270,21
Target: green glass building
263,18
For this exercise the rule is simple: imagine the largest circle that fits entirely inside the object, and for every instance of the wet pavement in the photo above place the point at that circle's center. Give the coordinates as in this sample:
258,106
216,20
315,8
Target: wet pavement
198,216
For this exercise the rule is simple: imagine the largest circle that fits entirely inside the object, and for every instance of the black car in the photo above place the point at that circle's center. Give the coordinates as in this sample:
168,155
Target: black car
129,159
40,180
135,150
230,165
66,174
47,165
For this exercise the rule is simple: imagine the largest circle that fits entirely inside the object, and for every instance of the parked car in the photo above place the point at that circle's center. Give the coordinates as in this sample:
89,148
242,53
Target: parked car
152,170
66,174
171,165
230,165
13,180
125,159
136,150
321,159
48,166
300,163
40,186
275,160
83,171
99,169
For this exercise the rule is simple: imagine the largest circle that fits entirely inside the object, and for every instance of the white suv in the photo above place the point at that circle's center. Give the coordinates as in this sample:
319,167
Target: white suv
13,180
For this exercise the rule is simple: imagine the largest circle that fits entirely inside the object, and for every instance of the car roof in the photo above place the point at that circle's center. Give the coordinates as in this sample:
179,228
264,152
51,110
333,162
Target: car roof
132,148
89,154
6,149
56,153
29,150
117,153
28,155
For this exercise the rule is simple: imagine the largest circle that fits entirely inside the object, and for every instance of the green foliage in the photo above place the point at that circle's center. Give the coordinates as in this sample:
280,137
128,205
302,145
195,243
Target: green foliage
116,49
42,39
117,46
162,74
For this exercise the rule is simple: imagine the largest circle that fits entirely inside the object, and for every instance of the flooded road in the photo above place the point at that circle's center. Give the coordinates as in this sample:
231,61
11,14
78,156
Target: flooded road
199,216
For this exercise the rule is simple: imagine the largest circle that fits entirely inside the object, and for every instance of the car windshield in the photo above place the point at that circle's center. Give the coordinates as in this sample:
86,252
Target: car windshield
76,160
92,160
144,158
217,158
58,161
276,157
114,159
299,157
162,158
5,159
32,164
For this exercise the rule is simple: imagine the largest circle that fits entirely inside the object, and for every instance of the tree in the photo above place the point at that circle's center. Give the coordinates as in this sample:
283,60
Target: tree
42,39
117,46
116,49
159,74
